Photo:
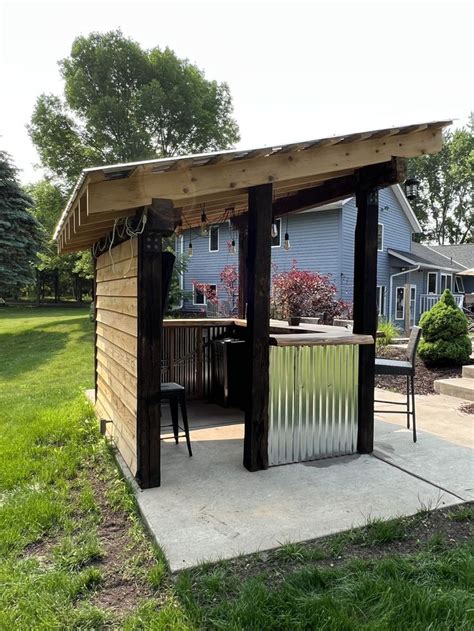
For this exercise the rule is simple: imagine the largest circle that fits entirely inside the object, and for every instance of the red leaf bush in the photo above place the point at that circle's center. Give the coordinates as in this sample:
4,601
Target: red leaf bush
305,294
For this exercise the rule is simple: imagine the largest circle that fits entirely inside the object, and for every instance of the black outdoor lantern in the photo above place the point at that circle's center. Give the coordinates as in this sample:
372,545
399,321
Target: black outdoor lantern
411,188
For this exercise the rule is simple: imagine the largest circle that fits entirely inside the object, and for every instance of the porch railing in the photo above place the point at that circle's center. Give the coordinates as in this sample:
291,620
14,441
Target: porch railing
429,300
187,353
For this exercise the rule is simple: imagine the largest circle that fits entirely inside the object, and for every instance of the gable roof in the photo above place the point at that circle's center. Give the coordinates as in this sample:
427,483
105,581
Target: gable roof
462,254
424,257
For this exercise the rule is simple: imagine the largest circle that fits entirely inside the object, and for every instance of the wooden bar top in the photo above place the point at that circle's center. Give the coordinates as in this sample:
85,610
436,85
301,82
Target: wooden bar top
282,334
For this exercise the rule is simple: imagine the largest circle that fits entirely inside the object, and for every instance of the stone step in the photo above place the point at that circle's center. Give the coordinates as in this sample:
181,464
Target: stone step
468,372
462,388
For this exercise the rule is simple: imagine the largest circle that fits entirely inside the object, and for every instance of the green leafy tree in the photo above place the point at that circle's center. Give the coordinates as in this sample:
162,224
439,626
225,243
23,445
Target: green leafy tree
444,206
20,233
124,103
445,333
64,272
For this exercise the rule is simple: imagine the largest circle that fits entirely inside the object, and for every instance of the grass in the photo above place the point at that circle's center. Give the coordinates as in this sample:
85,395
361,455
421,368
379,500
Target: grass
74,554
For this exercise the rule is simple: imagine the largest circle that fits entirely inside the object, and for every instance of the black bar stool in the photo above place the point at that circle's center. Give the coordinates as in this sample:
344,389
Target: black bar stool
176,395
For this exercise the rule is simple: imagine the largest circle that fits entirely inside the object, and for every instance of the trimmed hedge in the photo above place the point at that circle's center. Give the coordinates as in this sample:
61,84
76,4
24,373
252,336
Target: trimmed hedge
445,333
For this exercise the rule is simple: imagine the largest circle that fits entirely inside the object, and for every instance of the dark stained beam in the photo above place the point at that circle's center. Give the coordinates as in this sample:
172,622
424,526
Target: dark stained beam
149,342
365,310
258,326
371,177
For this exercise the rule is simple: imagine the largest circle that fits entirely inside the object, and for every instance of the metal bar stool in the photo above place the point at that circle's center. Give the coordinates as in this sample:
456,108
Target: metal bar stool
398,367
176,395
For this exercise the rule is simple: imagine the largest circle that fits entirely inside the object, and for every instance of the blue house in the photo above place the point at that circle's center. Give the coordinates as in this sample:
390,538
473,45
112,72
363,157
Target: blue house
322,240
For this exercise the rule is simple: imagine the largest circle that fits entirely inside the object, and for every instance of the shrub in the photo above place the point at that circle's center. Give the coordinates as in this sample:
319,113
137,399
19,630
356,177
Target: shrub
445,333
390,331
303,293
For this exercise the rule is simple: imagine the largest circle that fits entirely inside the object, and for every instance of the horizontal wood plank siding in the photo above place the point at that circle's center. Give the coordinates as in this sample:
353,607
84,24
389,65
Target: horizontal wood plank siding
116,314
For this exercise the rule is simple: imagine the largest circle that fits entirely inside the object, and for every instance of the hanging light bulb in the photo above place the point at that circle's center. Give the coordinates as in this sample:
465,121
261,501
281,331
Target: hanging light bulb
274,230
232,249
190,249
286,245
204,225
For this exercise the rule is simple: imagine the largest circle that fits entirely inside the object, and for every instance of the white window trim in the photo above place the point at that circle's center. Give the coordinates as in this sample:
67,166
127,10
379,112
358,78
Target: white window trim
413,310
218,238
202,304
446,276
403,302
278,221
383,235
459,279
382,302
435,274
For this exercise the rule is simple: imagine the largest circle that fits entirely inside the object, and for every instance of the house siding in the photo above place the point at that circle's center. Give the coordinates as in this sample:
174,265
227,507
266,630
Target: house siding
314,241
321,241
397,233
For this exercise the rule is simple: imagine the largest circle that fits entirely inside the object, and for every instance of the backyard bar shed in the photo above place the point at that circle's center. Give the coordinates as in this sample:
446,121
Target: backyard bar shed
123,211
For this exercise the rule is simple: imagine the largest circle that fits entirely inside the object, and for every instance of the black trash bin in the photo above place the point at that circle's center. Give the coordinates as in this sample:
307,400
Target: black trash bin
229,357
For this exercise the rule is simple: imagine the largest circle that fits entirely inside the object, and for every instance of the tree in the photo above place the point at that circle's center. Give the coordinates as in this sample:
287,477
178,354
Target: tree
122,103
444,206
65,273
445,333
20,233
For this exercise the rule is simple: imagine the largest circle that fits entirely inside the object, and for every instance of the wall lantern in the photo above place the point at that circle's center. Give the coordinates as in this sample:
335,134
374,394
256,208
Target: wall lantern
411,188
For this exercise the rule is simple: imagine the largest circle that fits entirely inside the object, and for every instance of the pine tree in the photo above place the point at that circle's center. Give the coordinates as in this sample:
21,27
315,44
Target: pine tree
20,233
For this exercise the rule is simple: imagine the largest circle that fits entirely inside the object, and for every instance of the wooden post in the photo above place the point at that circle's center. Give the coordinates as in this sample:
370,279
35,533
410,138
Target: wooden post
149,342
407,309
365,310
258,326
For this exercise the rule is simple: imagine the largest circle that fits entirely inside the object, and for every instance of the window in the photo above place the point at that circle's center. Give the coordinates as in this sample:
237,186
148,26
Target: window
381,290
214,239
458,285
199,297
380,237
276,241
446,282
432,282
399,303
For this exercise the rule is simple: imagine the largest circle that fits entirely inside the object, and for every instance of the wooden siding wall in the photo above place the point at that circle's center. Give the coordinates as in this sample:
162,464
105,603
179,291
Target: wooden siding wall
116,328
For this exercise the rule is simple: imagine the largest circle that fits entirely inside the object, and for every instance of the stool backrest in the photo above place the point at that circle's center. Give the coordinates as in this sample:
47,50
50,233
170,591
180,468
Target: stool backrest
413,342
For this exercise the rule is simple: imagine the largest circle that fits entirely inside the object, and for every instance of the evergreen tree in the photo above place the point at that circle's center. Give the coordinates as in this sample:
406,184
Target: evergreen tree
20,233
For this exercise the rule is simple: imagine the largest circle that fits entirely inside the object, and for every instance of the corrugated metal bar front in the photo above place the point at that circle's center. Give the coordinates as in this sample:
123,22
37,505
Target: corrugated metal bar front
313,402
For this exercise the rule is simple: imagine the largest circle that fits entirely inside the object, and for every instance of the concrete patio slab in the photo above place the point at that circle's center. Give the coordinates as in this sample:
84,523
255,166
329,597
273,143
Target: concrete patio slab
209,507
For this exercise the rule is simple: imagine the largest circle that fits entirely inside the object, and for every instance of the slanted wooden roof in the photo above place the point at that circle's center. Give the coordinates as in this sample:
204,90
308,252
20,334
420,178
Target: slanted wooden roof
218,182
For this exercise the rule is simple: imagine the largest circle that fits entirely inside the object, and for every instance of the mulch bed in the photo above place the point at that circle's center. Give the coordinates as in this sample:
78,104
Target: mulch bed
424,375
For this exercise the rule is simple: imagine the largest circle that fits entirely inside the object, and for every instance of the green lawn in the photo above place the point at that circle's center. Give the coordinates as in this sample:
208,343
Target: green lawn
73,553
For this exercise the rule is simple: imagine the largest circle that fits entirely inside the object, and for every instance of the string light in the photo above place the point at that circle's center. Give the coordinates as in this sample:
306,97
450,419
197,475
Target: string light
286,244
232,249
190,249
204,224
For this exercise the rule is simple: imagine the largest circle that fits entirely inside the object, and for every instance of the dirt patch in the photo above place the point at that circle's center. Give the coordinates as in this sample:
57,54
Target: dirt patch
467,408
436,530
121,588
424,375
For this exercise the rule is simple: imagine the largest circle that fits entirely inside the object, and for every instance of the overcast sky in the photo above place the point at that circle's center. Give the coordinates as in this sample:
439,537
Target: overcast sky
296,70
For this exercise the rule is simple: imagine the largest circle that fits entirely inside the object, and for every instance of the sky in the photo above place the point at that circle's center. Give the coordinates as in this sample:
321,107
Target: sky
297,70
